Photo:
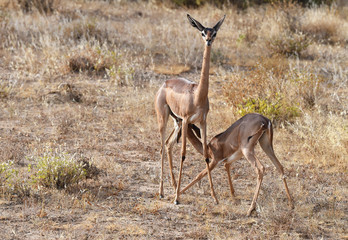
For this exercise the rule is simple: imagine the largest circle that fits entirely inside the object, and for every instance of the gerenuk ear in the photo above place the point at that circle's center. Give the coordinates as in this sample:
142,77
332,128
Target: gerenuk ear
195,23
219,23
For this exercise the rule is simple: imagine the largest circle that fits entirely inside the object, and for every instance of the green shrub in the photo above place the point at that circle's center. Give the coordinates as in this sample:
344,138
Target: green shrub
6,172
57,169
11,183
277,109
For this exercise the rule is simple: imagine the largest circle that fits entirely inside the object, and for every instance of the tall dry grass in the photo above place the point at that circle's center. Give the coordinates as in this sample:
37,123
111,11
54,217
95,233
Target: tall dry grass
44,46
84,77
325,25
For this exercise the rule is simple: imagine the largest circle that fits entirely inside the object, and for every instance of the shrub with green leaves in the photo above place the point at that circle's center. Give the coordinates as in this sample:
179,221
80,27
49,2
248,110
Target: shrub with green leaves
6,173
11,182
277,109
58,169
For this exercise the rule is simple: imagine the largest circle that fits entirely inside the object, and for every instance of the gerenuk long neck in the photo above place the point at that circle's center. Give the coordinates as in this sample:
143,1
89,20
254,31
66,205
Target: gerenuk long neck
203,86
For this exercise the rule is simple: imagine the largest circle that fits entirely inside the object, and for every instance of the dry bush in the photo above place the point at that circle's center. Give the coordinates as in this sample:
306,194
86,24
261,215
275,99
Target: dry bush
239,87
12,150
175,49
85,29
275,89
171,69
288,44
307,86
37,51
39,41
275,21
80,64
280,30
264,79
100,60
248,27
92,172
65,92
5,90
272,86
93,60
324,138
219,57
43,6
279,19
324,25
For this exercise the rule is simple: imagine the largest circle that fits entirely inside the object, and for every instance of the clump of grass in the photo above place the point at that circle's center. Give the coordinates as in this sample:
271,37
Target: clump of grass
265,80
100,60
121,75
6,172
65,92
218,57
93,60
239,87
85,29
152,208
57,169
274,89
325,139
80,64
91,171
12,184
324,25
43,6
289,44
5,91
13,151
53,169
307,86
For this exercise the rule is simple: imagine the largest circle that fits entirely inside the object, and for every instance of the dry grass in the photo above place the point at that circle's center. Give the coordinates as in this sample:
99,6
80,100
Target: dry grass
324,25
83,79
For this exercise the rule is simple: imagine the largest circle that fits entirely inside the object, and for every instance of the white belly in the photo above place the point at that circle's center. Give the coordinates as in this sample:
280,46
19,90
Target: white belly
197,117
233,158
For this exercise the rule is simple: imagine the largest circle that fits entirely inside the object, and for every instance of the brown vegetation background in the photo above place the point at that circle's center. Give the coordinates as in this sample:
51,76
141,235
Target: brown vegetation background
80,77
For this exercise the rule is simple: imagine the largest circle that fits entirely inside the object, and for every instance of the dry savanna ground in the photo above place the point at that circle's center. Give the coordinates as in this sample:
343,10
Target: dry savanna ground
79,143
